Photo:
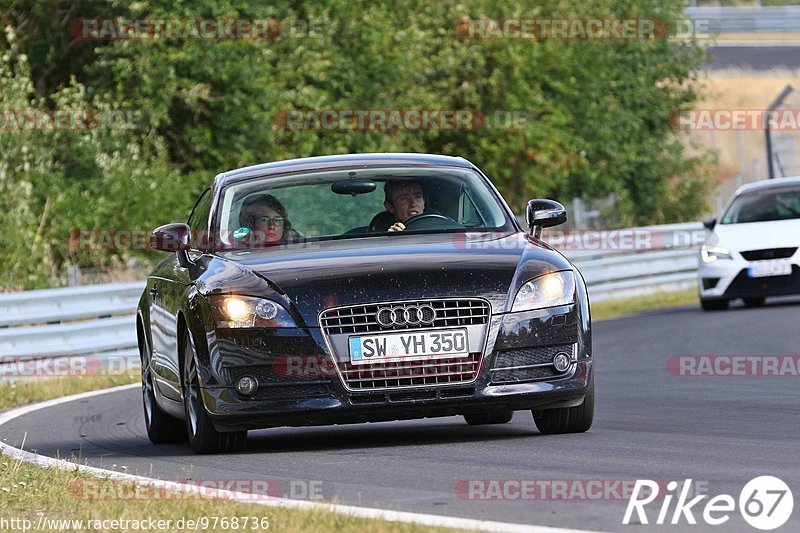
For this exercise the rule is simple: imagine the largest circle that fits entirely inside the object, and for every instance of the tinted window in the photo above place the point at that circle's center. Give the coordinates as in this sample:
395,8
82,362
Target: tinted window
765,205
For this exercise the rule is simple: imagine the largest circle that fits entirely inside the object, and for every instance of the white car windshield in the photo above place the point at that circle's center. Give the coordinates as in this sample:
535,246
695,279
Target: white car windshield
779,203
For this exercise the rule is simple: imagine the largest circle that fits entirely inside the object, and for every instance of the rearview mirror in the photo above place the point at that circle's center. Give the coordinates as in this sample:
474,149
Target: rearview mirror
170,238
543,213
710,223
353,187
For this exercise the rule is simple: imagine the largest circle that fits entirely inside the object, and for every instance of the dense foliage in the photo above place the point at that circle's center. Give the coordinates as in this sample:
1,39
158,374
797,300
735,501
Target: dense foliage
596,112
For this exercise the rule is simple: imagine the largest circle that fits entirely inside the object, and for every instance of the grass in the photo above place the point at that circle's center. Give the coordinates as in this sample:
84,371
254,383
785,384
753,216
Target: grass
661,300
27,391
30,492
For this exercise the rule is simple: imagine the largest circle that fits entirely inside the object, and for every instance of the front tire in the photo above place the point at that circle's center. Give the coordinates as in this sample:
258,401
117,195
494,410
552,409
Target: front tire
203,436
567,419
496,417
714,305
161,428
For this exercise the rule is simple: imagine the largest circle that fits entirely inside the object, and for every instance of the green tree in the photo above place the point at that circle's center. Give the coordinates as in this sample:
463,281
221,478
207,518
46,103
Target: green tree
596,112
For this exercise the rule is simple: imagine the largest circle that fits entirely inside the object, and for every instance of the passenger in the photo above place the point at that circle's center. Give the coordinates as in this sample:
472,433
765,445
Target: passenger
267,221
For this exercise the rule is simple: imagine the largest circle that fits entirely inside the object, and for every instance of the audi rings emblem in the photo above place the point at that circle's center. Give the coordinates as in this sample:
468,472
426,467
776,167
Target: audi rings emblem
406,315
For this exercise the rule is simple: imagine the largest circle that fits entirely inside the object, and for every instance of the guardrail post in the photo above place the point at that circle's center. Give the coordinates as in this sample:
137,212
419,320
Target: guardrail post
73,276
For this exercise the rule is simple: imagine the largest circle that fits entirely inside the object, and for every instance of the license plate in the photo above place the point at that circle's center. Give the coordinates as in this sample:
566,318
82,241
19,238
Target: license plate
416,345
763,269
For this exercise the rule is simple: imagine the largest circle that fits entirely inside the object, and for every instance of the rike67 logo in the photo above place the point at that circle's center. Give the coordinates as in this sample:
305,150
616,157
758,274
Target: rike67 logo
765,503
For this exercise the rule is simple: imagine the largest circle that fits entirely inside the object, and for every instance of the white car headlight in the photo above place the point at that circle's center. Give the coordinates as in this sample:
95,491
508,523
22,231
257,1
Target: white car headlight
709,254
233,311
549,290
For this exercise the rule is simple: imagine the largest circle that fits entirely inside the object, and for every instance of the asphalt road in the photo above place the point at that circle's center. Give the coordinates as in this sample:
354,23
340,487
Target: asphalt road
719,431
754,57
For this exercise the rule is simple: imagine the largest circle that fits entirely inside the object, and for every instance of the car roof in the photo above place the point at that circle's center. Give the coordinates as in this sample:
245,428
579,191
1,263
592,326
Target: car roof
330,162
768,184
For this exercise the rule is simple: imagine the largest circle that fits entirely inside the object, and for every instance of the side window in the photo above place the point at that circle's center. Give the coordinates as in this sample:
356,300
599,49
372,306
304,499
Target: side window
198,220
470,216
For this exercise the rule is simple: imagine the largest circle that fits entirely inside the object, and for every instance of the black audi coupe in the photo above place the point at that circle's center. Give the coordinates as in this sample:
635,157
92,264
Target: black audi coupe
360,288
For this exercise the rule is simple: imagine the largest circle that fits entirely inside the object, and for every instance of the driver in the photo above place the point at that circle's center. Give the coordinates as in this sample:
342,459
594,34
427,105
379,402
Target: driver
403,199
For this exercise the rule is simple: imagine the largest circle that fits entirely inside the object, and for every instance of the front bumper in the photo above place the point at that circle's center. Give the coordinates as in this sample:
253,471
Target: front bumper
230,413
311,394
727,279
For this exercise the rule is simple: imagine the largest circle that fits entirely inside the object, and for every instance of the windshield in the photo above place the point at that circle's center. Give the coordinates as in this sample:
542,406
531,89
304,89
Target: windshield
356,203
761,206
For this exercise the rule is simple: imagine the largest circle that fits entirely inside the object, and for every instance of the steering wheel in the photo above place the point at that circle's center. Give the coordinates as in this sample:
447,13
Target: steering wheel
434,221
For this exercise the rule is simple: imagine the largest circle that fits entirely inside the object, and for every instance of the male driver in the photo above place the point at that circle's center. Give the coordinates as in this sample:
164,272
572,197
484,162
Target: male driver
403,199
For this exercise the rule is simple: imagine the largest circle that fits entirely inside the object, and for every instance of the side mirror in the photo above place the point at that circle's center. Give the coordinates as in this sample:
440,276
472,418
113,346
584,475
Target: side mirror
544,214
170,238
710,223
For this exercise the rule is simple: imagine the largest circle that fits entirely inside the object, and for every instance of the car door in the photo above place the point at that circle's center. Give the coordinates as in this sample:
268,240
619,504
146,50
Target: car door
169,286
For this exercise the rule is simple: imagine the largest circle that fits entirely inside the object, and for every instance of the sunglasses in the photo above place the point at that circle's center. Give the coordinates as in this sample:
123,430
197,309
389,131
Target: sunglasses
270,221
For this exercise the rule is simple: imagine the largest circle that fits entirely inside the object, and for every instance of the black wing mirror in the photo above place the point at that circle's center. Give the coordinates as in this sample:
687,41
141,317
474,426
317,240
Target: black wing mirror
710,223
170,238
543,213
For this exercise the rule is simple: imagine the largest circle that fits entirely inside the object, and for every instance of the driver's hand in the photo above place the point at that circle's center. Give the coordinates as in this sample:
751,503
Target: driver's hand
397,226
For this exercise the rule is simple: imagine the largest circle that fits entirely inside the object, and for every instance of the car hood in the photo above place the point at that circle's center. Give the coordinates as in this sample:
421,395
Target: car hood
757,235
319,275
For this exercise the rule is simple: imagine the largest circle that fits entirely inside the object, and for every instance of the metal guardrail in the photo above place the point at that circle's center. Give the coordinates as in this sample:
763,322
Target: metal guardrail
658,259
97,320
94,320
744,20
74,303
747,20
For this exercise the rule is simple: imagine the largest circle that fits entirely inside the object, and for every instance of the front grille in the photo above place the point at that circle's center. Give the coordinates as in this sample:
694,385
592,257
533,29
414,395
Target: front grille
769,253
290,392
743,285
510,365
444,393
363,318
410,373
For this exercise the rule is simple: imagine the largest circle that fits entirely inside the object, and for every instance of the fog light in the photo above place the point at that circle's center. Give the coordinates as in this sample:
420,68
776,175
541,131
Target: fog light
247,385
561,361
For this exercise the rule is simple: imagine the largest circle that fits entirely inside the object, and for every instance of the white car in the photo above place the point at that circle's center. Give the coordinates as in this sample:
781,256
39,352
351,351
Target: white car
752,252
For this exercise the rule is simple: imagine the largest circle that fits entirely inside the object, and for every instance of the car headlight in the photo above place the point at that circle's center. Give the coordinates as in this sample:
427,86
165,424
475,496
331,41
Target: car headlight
234,311
549,290
709,254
